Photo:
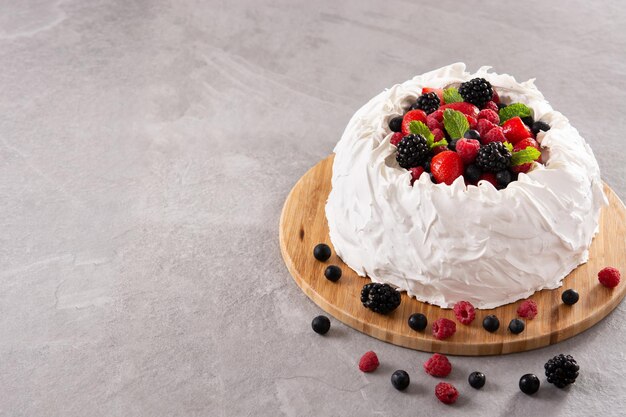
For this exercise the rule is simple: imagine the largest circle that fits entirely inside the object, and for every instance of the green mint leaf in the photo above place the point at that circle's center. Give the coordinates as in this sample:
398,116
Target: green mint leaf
455,123
419,128
513,110
508,146
451,95
442,142
525,156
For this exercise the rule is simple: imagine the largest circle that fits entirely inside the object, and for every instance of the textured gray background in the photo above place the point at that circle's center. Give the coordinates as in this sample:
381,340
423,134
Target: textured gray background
146,149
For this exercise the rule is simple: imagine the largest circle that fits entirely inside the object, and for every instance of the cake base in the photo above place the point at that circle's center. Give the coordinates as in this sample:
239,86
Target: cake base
303,225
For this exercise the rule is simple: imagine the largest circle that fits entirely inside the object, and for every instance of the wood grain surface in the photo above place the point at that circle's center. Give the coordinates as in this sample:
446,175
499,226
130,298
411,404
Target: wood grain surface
303,225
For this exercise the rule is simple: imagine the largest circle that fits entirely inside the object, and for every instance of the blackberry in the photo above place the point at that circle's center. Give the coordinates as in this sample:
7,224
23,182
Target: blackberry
429,102
395,124
412,151
493,157
380,298
477,91
562,370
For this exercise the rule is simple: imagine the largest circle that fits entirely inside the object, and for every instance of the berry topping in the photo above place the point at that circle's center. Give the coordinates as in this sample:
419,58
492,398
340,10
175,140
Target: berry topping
400,380
527,310
369,362
433,123
489,177
503,178
320,324
464,312
490,115
411,116
528,121
472,173
522,168
395,124
443,328
501,106
491,323
477,380
396,138
332,273
465,108
525,143
496,134
446,167
516,326
438,91
446,393
484,126
562,370
495,97
437,115
380,298
418,322
493,157
429,102
415,173
477,91
515,130
609,277
540,126
570,297
321,252
467,149
438,365
492,105
472,134
438,134
529,384
412,151
473,122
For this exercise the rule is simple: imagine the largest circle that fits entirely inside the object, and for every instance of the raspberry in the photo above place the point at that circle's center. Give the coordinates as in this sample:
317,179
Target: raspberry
464,312
443,328
609,277
415,173
494,98
446,393
369,362
396,138
484,126
438,134
494,135
527,310
467,149
437,115
490,178
492,105
438,365
433,124
490,115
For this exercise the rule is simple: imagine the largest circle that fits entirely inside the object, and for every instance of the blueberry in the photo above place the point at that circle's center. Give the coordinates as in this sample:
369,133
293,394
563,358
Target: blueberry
321,252
472,134
477,380
472,173
501,106
418,322
528,121
516,326
570,297
452,144
427,166
320,324
395,124
332,273
491,323
540,126
432,178
504,177
400,380
529,384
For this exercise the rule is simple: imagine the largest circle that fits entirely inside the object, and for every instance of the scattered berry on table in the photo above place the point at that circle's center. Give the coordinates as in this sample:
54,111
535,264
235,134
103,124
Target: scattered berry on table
492,105
540,126
464,312
395,124
477,91
400,380
411,116
418,322
570,297
477,380
527,309
504,177
528,121
562,370
446,167
320,324
491,323
369,362
484,126
322,252
490,115
380,298
515,130
516,326
609,277
443,328
493,157
415,173
332,273
489,177
412,151
529,384
472,134
467,149
429,102
446,393
494,135
438,365
472,173
396,138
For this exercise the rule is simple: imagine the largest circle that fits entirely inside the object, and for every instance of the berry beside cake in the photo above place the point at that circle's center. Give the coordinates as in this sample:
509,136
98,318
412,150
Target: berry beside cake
455,186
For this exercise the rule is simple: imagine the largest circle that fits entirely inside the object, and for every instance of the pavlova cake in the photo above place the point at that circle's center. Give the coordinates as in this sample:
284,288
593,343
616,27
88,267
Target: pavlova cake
456,186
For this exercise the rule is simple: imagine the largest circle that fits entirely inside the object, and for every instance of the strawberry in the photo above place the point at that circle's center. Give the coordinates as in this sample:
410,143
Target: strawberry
446,167
484,126
515,130
472,122
525,143
411,116
489,177
467,109
495,134
495,97
438,91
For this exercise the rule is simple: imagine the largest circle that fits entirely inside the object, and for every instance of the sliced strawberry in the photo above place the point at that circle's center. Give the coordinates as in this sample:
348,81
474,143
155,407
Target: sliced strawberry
525,143
467,109
446,167
438,91
515,130
493,135
411,116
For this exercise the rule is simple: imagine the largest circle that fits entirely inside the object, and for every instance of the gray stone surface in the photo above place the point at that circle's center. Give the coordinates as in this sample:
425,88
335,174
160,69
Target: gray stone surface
146,149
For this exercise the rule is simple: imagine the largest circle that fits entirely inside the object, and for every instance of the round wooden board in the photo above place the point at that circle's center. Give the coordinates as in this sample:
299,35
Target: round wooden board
303,225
